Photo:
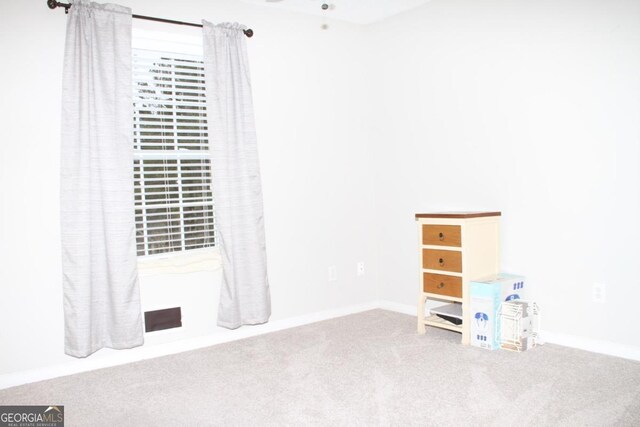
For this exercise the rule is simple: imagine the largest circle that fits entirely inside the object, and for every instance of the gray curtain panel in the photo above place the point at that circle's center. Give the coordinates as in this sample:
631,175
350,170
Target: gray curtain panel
244,294
100,279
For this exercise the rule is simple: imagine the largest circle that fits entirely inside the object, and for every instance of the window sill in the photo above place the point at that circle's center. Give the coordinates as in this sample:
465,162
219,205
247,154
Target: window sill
194,261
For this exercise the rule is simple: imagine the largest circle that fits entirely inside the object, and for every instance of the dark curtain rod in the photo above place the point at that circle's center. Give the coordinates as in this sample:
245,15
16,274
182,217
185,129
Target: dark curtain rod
54,4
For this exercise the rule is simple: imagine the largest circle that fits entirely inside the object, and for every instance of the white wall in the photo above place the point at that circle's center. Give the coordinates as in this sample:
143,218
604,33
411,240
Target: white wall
531,108
316,174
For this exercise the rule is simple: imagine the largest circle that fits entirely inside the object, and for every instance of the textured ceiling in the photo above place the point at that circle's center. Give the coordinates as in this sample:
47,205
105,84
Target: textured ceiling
356,11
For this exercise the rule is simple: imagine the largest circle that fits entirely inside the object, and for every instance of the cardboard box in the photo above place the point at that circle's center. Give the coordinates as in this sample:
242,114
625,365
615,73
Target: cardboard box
486,296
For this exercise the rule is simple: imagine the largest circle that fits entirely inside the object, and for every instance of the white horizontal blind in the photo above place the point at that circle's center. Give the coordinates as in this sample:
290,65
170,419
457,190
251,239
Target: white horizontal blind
173,200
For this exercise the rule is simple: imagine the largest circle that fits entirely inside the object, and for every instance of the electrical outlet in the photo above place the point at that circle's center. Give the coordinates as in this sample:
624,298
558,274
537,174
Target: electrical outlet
360,268
333,273
599,293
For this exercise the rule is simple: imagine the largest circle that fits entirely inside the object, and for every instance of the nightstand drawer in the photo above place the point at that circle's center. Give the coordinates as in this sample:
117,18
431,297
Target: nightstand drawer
442,284
437,259
441,235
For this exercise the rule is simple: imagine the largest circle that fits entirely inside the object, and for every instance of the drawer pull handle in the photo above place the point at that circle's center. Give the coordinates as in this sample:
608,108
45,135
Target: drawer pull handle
440,285
441,236
441,262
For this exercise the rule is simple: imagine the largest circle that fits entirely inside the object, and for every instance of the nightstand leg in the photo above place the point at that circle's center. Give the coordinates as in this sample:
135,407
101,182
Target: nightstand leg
466,314
421,302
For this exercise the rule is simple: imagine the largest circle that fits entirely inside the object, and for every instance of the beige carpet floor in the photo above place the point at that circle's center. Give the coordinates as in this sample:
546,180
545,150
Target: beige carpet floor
365,369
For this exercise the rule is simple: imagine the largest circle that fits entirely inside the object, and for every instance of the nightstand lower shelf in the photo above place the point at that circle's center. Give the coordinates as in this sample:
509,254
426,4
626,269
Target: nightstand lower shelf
438,322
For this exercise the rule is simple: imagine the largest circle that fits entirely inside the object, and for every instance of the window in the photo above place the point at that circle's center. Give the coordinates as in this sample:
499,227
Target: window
174,208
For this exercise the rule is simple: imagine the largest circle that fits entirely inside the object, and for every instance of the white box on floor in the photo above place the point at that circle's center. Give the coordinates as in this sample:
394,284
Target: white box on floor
519,324
486,296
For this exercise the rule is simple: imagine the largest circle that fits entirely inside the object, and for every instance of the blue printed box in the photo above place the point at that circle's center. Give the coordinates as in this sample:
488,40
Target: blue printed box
486,296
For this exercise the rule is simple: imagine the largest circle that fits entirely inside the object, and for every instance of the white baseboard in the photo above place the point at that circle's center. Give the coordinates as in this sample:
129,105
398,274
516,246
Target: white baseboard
398,308
595,346
121,357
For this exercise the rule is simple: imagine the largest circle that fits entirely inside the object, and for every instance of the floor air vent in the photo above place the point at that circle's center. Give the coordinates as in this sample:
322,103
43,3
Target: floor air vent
158,320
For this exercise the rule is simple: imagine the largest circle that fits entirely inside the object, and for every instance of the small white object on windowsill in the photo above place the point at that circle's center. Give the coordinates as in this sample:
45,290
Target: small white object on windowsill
180,262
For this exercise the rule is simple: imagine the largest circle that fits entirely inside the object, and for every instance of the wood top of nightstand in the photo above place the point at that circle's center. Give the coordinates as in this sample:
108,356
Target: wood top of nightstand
463,215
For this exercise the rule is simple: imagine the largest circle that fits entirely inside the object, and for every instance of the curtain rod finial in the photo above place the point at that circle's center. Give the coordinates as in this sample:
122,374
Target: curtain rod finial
53,4
248,32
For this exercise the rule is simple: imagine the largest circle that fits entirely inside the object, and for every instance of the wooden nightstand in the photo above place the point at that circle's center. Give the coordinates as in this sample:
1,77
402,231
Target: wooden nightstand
455,248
